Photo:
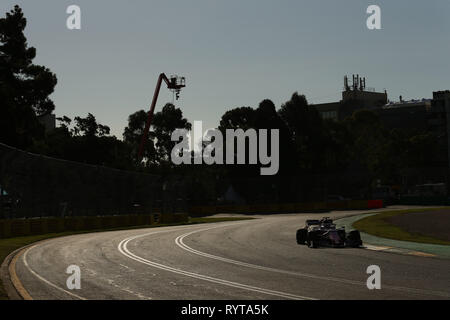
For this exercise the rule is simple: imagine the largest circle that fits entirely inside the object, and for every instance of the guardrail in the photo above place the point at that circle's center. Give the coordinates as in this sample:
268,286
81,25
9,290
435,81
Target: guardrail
425,201
288,208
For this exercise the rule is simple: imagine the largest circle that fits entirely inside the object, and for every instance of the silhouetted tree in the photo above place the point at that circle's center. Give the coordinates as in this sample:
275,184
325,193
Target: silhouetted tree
307,129
24,87
134,132
239,118
64,122
89,127
159,145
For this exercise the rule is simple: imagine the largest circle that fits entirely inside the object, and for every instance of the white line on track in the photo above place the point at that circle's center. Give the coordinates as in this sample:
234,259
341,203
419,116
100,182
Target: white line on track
25,262
181,244
27,266
179,241
124,250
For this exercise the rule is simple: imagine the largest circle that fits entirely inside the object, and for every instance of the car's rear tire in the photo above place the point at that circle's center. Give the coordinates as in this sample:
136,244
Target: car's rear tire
301,236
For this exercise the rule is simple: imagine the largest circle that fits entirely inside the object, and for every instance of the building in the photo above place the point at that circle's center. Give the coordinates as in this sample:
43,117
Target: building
48,121
439,120
355,96
412,116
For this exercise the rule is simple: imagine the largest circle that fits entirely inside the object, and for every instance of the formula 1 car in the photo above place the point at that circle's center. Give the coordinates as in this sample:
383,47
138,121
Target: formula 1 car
317,233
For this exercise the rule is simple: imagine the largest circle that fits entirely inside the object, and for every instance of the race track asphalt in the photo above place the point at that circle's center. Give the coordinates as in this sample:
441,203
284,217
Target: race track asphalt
255,259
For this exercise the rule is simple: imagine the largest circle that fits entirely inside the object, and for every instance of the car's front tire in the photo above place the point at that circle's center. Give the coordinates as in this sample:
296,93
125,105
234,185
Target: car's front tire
311,240
301,236
313,244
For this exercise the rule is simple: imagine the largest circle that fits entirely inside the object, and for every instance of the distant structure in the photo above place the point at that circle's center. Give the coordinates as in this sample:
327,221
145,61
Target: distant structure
48,121
424,115
419,116
355,96
439,120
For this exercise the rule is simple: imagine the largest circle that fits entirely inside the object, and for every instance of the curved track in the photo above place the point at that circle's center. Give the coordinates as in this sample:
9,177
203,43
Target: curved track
256,259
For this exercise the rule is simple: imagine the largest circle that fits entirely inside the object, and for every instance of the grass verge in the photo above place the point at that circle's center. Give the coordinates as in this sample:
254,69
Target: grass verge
9,245
378,225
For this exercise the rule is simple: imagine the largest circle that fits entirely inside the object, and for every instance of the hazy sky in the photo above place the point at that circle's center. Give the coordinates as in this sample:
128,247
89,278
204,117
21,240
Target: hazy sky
233,52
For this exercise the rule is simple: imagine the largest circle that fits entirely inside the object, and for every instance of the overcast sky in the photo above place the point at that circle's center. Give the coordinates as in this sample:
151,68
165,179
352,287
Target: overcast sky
233,52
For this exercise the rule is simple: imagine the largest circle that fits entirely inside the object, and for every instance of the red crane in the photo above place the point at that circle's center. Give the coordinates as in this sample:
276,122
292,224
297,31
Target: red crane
174,84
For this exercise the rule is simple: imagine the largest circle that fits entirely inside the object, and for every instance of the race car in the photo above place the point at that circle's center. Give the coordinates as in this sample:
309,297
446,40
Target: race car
317,233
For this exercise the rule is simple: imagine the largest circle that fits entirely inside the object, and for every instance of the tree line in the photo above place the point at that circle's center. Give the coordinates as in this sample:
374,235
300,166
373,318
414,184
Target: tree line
312,149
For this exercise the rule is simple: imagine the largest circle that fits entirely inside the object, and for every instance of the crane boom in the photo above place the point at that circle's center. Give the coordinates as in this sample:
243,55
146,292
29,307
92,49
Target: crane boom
175,84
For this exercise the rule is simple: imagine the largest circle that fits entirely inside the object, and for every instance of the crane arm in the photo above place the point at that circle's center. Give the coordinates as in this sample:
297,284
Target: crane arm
171,84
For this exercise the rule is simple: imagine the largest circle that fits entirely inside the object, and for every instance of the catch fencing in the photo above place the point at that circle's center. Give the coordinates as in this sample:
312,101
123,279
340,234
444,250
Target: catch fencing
34,186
